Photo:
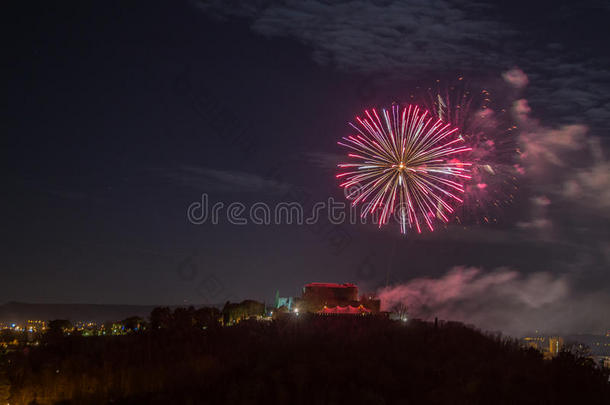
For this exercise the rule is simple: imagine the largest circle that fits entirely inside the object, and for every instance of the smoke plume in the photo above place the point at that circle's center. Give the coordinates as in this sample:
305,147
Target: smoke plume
501,300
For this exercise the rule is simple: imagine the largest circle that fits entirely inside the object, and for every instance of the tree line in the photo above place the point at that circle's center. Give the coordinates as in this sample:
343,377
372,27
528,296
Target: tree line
186,356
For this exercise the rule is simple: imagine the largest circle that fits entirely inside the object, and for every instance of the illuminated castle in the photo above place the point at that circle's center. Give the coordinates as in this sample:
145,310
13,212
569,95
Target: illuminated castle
330,299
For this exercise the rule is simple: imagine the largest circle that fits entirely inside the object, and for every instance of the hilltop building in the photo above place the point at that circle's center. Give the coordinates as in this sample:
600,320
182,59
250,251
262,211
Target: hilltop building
330,299
287,302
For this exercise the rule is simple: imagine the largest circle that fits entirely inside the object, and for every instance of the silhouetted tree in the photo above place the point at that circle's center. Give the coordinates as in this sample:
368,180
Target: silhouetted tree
235,312
56,330
160,317
207,317
183,318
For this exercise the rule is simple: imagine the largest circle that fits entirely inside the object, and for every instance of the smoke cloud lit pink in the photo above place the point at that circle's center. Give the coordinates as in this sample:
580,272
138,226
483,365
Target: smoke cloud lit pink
548,155
502,299
541,145
516,77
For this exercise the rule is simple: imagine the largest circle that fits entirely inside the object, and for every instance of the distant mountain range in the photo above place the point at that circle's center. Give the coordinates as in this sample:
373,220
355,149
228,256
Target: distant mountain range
21,311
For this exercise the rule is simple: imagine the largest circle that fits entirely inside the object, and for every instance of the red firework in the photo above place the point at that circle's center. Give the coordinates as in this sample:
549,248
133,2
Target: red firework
406,165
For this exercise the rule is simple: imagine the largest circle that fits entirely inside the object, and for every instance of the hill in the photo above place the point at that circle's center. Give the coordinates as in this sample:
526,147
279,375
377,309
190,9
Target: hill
301,360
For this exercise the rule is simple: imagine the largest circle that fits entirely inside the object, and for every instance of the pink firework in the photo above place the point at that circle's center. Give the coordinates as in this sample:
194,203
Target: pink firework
406,165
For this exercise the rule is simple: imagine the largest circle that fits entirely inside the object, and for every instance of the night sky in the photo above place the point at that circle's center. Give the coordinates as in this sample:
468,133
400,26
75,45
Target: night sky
119,115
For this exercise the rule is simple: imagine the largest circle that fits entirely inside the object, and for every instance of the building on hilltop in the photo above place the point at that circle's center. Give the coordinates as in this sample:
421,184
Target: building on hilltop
329,298
333,298
286,302
348,310
318,295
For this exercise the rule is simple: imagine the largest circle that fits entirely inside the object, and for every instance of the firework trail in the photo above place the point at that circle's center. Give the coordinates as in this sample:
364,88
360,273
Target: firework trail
406,166
493,168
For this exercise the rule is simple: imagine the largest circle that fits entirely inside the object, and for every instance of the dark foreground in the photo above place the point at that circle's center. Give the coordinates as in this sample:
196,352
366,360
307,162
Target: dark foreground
299,361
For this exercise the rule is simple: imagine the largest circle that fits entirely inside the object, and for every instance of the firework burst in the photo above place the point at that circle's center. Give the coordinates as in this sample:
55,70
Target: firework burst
406,166
487,127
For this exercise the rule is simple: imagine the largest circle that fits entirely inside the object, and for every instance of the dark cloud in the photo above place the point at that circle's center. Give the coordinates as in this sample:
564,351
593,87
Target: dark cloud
207,180
383,35
324,160
403,39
